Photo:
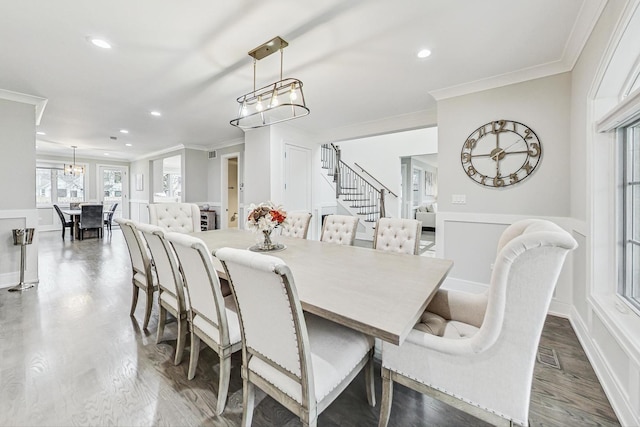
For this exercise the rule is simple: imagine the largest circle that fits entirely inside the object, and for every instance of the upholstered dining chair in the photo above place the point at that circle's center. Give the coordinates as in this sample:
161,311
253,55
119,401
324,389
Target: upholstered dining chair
296,225
398,235
143,278
477,351
212,317
171,297
300,366
340,229
91,218
65,224
109,219
175,217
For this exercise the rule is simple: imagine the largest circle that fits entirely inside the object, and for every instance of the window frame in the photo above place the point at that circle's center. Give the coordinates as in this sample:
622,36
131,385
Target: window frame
627,199
55,170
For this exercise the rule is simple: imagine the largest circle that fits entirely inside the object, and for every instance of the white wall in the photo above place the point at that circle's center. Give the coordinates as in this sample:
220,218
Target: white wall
195,173
608,330
18,202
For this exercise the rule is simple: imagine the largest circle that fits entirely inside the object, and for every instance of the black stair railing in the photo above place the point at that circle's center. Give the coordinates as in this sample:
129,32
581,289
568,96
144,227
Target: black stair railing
361,194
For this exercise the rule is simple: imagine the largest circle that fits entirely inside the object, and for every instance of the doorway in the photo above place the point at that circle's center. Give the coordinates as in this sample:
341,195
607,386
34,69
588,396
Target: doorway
230,195
113,187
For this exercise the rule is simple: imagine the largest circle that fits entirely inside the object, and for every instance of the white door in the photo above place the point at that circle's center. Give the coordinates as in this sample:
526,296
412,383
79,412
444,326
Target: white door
113,187
297,178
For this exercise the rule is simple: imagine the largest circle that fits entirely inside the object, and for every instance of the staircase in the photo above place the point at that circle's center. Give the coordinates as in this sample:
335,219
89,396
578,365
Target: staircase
355,193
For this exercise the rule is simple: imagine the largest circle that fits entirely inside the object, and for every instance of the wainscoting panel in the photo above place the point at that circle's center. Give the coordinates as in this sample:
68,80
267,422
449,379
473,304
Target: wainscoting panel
10,253
139,210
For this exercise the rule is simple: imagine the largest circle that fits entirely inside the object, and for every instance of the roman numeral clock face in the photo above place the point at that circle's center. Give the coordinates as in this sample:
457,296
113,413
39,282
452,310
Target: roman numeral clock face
501,153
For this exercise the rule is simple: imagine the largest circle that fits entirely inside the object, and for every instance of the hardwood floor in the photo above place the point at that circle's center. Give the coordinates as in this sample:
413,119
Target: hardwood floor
71,355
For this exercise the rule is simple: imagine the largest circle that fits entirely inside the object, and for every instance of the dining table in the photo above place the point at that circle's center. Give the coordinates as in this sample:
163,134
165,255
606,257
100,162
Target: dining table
379,293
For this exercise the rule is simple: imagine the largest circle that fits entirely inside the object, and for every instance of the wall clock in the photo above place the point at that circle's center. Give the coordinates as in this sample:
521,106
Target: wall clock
501,153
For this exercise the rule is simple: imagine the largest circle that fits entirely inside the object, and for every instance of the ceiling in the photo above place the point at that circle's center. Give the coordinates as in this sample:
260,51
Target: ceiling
189,61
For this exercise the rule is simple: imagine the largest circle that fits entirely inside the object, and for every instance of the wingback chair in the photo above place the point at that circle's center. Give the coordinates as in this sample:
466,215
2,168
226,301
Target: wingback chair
477,351
175,217
301,360
340,229
296,225
398,235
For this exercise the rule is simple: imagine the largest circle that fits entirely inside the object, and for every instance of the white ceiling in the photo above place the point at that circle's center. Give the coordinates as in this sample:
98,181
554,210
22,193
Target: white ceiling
189,60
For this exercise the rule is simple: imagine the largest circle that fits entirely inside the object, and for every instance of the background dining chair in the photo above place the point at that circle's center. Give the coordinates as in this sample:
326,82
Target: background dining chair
212,317
296,225
340,229
398,235
175,217
109,219
143,278
291,356
478,350
171,297
91,218
65,224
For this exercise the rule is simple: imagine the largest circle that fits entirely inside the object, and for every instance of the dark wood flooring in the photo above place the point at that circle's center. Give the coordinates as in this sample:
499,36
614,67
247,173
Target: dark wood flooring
70,355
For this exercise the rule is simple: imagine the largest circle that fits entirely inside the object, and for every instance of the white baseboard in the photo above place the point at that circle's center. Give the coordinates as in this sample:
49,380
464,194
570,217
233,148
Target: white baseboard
616,395
464,285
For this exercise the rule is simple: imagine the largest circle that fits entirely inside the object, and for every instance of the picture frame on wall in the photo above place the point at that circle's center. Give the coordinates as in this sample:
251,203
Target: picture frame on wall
139,182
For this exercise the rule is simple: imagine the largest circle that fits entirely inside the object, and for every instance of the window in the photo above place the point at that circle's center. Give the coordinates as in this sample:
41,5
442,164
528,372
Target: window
630,277
54,187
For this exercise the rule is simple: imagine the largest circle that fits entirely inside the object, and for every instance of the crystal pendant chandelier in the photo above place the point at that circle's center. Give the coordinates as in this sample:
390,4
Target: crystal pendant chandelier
274,103
74,169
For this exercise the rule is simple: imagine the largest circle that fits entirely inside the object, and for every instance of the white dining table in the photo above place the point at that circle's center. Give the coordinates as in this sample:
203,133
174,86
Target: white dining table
382,294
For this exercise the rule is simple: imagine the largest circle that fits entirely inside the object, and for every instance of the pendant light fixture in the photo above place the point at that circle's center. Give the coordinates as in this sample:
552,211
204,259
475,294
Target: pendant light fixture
74,169
274,103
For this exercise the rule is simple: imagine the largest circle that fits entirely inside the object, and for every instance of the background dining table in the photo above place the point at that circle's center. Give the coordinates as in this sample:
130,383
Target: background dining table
379,293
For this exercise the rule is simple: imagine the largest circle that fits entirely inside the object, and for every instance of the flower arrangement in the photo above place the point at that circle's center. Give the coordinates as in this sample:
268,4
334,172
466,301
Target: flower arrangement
265,217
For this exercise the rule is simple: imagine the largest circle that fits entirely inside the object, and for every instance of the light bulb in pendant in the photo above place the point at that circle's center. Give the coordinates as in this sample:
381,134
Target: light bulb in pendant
245,111
274,100
259,106
293,95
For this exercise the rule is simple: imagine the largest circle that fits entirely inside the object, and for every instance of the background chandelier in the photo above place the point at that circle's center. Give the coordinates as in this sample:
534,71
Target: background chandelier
74,169
274,103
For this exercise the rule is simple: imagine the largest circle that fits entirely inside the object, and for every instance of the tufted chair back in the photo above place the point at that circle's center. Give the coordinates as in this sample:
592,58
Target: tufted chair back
175,217
398,235
296,225
485,350
340,229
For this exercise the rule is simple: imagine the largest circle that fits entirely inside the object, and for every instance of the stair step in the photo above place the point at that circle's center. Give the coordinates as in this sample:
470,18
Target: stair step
369,213
363,206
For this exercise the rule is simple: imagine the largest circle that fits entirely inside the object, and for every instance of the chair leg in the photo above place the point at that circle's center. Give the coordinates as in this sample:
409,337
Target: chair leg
63,229
248,401
162,318
182,338
223,384
369,381
134,300
195,353
387,398
147,312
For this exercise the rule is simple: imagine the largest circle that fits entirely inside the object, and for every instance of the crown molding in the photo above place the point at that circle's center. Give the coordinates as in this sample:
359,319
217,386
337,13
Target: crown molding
414,120
37,101
584,24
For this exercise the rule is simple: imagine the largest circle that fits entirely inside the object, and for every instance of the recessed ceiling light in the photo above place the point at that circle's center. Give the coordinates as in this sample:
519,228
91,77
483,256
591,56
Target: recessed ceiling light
100,43
40,133
128,145
424,53
156,113
106,154
124,131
